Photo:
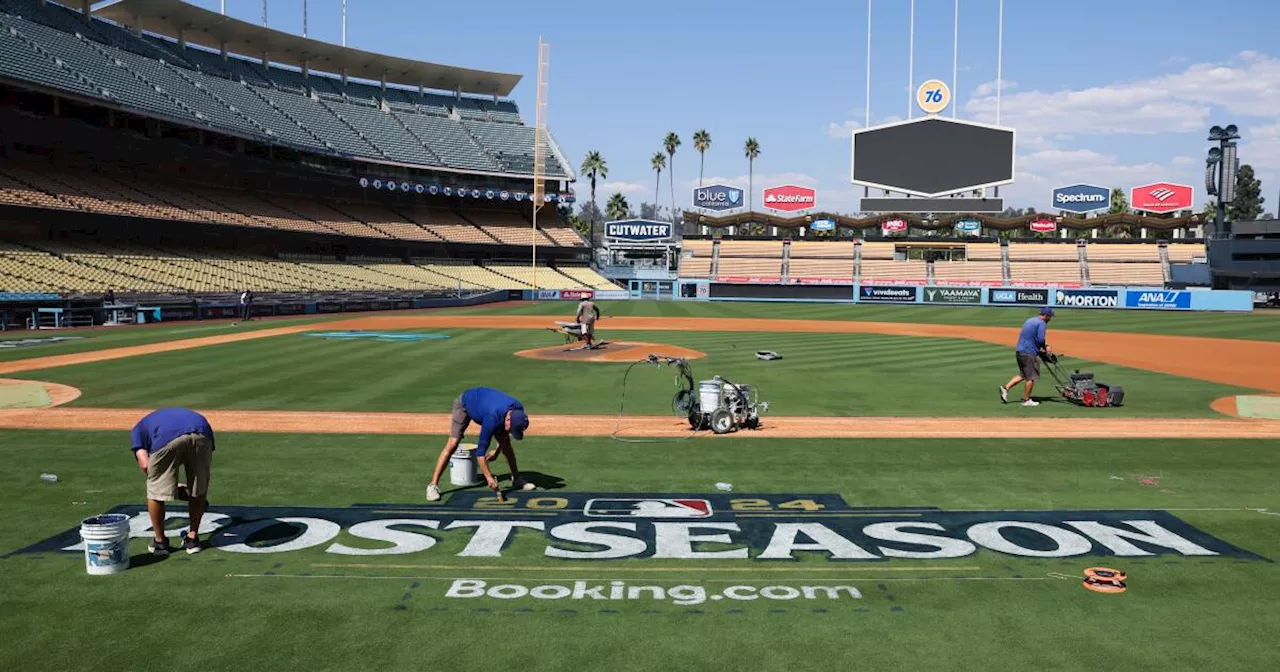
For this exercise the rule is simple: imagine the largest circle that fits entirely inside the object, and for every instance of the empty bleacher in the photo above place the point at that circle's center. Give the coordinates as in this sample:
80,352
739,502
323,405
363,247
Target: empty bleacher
1045,271
878,269
826,269
1125,274
1042,252
1182,253
967,271
1122,253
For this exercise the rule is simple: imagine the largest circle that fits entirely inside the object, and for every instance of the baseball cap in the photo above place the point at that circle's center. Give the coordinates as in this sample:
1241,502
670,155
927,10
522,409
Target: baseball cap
519,423
1046,311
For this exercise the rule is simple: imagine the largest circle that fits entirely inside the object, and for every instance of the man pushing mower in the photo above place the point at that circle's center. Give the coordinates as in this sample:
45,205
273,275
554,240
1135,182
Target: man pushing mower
1031,342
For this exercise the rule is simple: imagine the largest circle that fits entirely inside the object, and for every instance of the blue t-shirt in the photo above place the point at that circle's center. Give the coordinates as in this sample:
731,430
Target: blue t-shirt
488,407
1031,338
159,427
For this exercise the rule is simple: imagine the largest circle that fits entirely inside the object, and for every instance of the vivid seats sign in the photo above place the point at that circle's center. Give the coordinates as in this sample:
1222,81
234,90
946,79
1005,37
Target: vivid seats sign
790,198
1161,197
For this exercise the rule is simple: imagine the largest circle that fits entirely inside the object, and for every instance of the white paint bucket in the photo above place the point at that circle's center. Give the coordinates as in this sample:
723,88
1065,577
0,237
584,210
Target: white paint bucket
462,466
709,395
106,543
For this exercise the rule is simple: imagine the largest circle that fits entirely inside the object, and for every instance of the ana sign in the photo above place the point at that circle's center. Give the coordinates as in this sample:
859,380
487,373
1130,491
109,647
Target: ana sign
1043,226
666,527
1161,197
638,230
717,197
1081,198
1153,298
790,198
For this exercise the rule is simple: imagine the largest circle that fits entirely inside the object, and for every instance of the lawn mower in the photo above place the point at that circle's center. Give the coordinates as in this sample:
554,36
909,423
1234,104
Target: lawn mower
1080,388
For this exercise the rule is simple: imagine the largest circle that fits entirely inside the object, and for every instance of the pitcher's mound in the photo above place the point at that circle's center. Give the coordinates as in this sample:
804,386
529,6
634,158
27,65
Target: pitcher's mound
16,394
612,351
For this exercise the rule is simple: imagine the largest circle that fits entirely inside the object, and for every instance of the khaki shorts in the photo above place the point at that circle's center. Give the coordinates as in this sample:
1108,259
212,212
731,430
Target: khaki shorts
588,328
1029,366
458,419
192,452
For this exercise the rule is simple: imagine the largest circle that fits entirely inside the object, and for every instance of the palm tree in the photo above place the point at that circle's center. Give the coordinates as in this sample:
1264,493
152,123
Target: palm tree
670,143
701,142
617,207
751,150
658,162
593,166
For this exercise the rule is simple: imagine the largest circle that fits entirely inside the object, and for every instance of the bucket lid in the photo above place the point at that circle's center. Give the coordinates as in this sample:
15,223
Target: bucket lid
105,519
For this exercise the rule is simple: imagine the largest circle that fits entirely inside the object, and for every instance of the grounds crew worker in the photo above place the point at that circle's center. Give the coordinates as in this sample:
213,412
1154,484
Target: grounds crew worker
587,315
1030,344
501,417
162,441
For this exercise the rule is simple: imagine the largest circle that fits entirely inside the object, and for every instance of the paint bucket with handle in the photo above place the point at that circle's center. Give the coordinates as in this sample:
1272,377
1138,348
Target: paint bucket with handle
106,543
462,467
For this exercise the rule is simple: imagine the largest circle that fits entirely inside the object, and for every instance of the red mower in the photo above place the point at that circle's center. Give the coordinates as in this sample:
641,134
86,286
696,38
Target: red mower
1080,388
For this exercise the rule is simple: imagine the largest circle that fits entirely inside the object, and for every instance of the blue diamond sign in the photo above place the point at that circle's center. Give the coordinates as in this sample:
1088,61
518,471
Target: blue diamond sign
1081,198
717,197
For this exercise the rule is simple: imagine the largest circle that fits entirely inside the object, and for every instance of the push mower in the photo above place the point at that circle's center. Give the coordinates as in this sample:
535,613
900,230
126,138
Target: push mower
1080,388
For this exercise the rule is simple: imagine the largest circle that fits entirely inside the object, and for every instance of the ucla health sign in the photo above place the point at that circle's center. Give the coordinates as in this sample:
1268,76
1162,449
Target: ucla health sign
717,197
1081,198
638,230
1153,298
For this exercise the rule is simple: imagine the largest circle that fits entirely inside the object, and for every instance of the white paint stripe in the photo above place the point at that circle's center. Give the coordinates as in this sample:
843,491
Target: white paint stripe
766,570
668,580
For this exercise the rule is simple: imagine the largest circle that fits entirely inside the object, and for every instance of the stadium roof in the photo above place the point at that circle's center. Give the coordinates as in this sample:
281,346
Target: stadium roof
210,29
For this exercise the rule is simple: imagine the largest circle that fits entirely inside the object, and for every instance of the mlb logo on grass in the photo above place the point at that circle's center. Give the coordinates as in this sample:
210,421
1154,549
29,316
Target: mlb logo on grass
648,508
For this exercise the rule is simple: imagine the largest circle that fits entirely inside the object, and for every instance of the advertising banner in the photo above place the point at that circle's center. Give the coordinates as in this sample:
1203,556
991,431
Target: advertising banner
893,226
1086,298
717,197
790,198
1081,198
1161,197
638,230
1160,299
1018,296
954,295
1043,226
888,293
822,225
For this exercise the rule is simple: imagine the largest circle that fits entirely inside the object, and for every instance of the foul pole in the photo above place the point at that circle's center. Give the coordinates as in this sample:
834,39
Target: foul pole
540,147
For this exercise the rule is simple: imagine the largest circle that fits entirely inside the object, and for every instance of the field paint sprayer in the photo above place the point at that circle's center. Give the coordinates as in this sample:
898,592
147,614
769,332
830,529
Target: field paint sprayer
716,404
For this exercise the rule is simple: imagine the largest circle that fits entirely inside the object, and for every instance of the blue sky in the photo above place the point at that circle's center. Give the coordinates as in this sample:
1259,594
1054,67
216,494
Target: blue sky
1117,92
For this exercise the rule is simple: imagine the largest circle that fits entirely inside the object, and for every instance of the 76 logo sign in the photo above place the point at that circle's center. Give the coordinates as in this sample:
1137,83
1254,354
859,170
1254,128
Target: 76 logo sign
933,96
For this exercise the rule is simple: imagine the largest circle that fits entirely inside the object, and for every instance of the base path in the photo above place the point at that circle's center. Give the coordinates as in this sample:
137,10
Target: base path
122,420
1249,364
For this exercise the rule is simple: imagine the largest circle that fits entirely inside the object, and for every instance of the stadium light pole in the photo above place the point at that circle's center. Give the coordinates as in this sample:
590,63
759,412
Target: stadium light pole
867,123
1224,155
344,23
999,58
304,18
911,59
955,61
264,13
224,7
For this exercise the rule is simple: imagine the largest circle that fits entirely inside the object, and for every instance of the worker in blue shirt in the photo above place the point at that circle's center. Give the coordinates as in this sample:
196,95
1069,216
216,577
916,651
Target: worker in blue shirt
501,417
1031,342
163,441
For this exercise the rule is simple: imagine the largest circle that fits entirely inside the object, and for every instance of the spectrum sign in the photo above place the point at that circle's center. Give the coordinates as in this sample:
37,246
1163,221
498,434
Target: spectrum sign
790,198
1081,198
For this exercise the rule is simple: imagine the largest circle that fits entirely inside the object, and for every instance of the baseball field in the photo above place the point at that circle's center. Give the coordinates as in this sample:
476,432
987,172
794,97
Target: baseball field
891,512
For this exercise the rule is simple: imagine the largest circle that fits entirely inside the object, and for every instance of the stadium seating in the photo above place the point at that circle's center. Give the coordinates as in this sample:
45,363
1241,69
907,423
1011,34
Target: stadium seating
750,266
878,250
825,250
695,267
1045,271
1186,252
876,269
587,277
967,271
828,269
982,252
1125,274
1122,253
55,47
1042,252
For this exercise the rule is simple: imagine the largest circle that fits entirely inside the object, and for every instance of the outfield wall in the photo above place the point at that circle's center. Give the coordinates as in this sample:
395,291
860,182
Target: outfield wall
1115,298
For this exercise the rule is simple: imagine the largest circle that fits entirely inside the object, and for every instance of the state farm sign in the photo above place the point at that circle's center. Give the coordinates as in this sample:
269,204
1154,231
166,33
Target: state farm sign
1043,226
790,198
1161,197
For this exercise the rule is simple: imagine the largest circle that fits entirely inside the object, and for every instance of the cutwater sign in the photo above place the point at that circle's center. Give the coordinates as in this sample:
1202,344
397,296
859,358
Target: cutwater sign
717,197
662,527
822,225
1081,198
638,230
1086,298
1147,298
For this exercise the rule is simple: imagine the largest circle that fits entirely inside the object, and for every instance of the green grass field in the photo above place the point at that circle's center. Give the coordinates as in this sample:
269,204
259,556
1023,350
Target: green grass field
336,603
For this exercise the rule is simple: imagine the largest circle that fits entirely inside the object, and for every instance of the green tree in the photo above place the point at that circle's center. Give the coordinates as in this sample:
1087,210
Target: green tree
752,151
658,163
1210,209
701,142
617,208
1119,203
670,143
593,166
1248,201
